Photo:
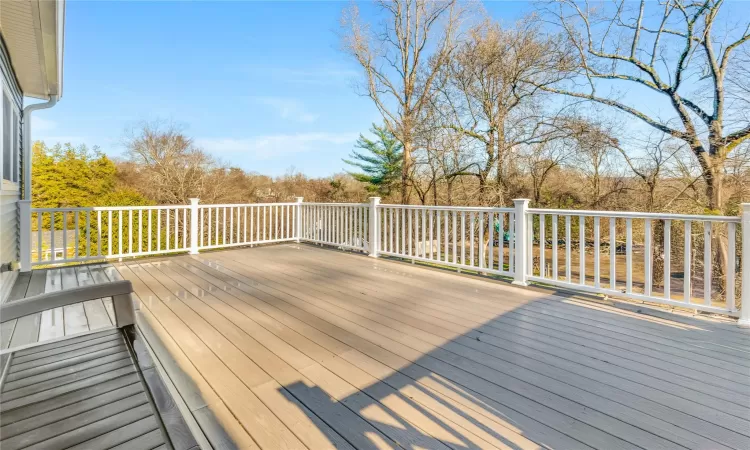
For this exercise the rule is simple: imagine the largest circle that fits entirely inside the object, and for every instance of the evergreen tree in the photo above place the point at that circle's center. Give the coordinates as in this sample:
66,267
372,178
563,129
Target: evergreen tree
380,161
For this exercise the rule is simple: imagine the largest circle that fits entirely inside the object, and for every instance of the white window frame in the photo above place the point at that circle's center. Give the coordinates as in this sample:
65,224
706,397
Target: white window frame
12,184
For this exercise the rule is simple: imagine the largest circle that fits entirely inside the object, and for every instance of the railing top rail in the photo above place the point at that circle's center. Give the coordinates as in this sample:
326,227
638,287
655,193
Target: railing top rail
634,215
334,204
450,208
110,208
233,205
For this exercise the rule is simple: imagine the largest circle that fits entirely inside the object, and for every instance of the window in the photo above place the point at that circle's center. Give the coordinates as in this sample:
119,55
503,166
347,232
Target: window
16,147
7,150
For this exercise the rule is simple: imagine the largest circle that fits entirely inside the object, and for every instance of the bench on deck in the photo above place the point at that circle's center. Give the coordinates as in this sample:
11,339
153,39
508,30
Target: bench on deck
90,389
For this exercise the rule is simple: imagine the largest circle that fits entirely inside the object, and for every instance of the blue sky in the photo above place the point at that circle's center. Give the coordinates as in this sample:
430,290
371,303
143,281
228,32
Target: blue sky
261,85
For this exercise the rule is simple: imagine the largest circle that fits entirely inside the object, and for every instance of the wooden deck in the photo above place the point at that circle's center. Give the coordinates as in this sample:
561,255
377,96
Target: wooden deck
292,346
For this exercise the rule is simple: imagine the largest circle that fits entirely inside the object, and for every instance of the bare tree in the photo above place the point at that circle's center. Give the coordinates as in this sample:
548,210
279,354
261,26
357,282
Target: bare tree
173,168
401,61
486,97
673,54
541,161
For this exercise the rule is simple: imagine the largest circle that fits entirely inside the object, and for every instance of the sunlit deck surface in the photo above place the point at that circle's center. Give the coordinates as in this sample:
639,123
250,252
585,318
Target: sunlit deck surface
294,346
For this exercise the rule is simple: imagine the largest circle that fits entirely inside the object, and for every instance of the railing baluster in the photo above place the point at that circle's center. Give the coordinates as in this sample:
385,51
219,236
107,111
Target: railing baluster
445,236
455,255
481,240
542,246
568,260
512,242
424,234
463,238
612,253
731,266
554,247
119,232
581,250
76,234
40,236
65,234
500,242
437,235
109,231
176,228
158,229
629,255
707,263
185,227
686,275
140,231
471,239
201,218
149,230
166,229
648,257
130,231
668,258
98,233
597,247
52,236
224,226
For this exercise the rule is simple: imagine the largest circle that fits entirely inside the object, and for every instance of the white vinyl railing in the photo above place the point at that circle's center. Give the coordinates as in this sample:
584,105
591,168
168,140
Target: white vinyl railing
596,251
471,238
343,225
661,258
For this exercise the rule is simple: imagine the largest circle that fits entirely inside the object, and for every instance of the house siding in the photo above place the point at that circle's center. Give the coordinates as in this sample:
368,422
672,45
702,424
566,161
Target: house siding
10,193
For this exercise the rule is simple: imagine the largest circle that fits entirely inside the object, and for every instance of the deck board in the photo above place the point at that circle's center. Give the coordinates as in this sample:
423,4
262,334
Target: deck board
347,350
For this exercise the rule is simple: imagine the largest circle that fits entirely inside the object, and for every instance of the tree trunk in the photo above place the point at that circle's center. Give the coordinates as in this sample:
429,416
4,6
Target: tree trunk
714,177
405,170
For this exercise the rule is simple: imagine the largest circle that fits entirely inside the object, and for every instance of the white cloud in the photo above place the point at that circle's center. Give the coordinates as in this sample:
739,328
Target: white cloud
273,146
288,108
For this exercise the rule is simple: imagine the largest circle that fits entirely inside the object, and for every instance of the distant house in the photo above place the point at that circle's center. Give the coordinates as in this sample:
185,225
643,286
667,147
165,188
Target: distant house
31,66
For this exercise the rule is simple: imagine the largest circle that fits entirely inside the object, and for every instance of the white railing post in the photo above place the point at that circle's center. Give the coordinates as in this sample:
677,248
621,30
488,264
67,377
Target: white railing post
745,294
374,227
298,219
194,226
521,246
24,212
